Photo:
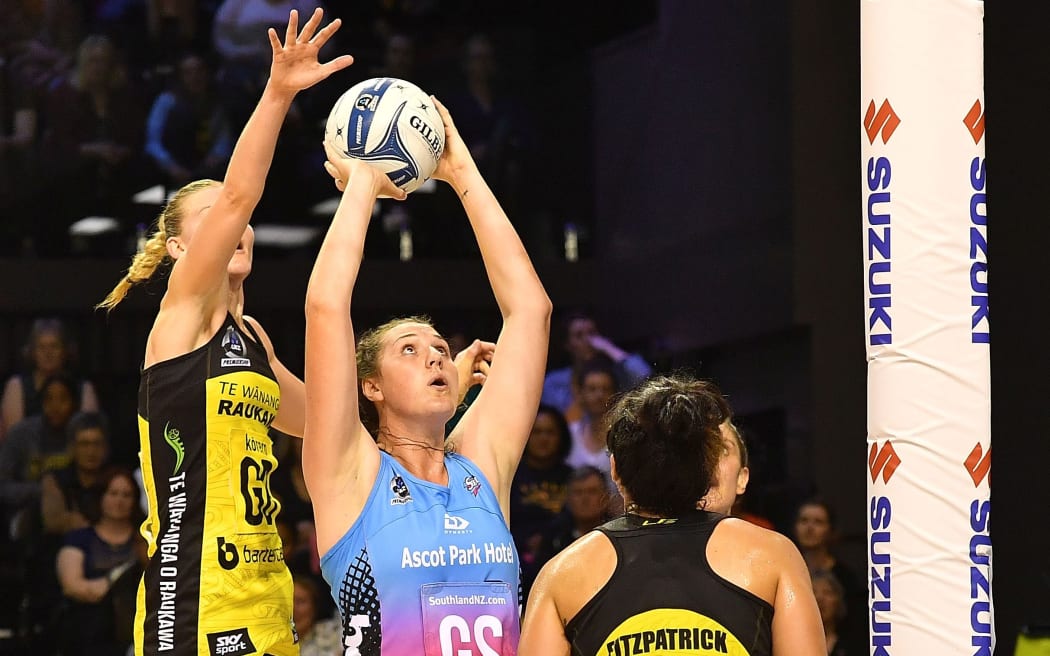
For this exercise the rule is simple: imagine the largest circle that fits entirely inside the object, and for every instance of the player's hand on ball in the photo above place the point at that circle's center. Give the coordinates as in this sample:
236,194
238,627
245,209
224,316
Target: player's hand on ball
347,170
456,156
295,65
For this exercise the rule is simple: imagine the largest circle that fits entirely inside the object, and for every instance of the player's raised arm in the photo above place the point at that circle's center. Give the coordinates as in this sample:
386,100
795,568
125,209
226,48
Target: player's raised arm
340,458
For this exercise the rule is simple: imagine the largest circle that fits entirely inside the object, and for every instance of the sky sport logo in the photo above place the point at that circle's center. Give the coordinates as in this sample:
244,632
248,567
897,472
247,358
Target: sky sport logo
883,461
231,643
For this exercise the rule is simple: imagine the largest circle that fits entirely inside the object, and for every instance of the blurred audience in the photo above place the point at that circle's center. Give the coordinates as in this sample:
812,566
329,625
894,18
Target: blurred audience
815,535
583,342
494,122
93,129
320,634
289,488
399,60
239,38
596,382
47,352
586,506
71,496
831,600
187,134
77,81
176,27
99,567
538,491
35,446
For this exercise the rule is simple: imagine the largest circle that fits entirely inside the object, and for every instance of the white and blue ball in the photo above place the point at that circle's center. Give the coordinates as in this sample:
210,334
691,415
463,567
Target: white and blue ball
393,125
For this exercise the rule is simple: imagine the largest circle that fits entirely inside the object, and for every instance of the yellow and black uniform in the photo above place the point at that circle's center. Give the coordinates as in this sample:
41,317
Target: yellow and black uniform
216,583
664,598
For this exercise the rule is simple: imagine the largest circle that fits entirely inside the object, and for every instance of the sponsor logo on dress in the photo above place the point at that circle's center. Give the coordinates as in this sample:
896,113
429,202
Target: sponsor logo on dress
231,643
456,524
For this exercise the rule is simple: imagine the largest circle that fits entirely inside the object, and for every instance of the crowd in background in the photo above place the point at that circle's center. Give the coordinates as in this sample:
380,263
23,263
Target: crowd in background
71,508
102,100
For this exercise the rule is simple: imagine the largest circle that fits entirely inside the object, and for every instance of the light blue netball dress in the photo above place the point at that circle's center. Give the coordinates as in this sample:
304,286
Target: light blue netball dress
427,569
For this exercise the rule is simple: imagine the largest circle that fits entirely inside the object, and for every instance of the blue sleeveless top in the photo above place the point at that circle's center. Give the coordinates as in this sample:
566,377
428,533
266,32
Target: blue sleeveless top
427,569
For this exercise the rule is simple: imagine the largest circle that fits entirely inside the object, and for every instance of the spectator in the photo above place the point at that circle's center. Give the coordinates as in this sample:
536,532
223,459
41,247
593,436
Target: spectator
47,352
815,535
176,27
586,507
239,38
187,134
318,635
495,125
288,486
71,496
832,604
539,489
296,552
93,135
36,445
596,382
583,342
399,59
99,568
19,174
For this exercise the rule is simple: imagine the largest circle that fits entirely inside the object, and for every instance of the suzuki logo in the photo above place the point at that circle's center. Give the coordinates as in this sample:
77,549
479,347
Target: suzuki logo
978,466
974,121
885,120
884,461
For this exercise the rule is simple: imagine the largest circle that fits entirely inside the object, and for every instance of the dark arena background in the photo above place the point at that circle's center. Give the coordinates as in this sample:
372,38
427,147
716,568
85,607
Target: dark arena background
685,171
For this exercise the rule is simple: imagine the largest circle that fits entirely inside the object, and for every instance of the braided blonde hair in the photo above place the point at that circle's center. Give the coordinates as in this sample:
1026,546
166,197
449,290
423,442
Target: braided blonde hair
155,251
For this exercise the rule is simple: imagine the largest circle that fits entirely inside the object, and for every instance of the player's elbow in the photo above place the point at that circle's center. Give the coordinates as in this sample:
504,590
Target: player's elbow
322,302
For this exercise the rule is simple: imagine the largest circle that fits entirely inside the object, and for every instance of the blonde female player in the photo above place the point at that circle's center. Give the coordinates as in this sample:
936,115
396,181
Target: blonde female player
211,386
413,531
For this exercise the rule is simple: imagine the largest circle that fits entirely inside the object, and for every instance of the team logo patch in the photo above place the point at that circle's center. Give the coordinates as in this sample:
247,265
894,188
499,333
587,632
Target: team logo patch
236,353
402,495
472,484
231,643
171,436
